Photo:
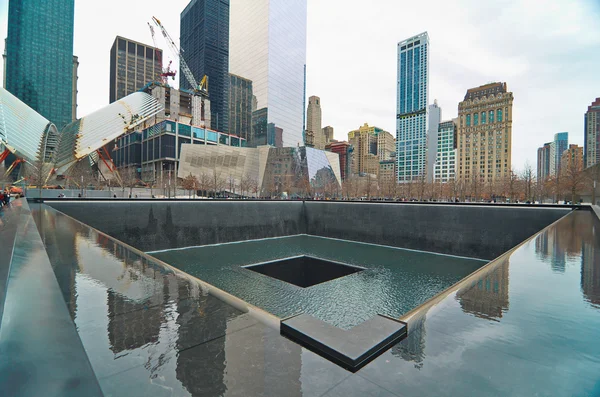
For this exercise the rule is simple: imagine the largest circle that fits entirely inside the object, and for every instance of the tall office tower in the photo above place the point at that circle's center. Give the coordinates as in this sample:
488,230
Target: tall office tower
591,143
571,160
240,106
39,56
313,122
445,159
411,107
204,38
328,134
132,66
485,134
74,90
543,161
371,144
4,65
386,145
345,151
552,159
268,46
435,116
561,142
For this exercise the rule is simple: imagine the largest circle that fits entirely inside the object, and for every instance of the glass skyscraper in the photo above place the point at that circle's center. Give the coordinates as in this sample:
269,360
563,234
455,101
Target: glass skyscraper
204,39
411,110
268,46
39,56
561,140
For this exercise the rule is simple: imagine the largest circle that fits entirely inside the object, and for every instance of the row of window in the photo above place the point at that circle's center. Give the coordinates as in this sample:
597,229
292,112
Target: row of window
483,118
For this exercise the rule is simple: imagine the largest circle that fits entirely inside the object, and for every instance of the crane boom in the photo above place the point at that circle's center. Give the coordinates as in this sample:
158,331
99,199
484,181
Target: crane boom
186,70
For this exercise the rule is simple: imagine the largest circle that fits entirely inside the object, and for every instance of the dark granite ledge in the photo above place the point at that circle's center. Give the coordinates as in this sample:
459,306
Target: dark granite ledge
9,219
40,350
351,349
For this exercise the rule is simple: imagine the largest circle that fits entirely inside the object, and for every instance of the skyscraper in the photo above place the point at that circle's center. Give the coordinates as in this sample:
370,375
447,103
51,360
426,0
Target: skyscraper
370,144
411,107
445,159
571,161
132,66
313,123
240,106
268,46
591,143
435,116
328,134
543,161
485,134
561,142
39,56
204,39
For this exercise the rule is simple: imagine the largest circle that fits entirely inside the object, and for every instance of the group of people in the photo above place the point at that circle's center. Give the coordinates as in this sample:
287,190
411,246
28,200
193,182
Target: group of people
5,197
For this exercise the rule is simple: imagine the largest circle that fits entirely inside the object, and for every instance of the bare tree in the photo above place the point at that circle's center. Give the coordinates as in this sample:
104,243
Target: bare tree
253,186
82,175
38,174
592,177
190,183
573,178
232,184
204,183
421,185
217,182
245,184
475,186
527,178
129,179
510,185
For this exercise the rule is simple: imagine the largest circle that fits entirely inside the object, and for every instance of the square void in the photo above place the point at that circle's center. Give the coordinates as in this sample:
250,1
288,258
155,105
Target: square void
304,271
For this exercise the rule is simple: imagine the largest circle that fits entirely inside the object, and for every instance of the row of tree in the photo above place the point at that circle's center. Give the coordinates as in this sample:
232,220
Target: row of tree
567,185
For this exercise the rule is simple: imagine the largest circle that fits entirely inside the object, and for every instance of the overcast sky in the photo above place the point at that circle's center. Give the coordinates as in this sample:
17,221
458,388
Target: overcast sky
548,52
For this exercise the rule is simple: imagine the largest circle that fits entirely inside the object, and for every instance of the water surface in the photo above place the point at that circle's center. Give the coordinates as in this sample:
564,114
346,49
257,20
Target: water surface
394,282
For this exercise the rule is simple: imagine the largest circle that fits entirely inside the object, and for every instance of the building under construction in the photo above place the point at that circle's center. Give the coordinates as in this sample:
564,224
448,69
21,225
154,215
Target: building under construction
153,150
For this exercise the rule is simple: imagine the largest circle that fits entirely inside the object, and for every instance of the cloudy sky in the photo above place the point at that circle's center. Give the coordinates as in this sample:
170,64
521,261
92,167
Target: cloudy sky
548,51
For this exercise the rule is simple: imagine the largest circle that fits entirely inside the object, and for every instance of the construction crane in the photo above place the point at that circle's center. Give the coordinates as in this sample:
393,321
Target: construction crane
201,88
166,72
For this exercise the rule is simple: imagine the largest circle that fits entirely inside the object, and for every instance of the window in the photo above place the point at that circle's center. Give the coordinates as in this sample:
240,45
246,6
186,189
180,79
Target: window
499,115
482,117
468,121
491,116
475,119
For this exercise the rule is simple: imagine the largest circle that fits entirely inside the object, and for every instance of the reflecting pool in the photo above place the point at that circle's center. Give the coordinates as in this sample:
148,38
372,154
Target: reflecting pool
394,280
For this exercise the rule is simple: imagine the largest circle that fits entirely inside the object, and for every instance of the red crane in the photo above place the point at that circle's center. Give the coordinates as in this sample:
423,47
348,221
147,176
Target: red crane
166,72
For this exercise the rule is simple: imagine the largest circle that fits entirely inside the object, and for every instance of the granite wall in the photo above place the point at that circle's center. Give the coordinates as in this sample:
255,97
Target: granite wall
483,231
478,231
156,225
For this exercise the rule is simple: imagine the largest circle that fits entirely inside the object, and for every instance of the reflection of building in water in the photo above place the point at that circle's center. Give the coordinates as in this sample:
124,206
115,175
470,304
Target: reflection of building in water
59,239
590,274
196,319
559,244
549,247
140,325
488,297
413,347
260,363
295,171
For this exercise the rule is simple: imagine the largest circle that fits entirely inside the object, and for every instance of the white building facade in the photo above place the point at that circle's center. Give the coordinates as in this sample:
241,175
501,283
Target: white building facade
445,159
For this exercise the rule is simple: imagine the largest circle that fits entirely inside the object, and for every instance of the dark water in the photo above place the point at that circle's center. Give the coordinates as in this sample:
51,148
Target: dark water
394,282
